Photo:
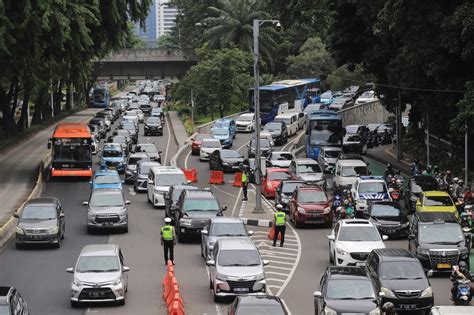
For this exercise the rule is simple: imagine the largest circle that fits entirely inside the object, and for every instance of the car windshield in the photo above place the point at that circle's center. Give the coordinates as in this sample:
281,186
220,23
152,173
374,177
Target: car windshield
359,234
238,258
221,132
353,138
282,156
245,118
264,143
150,148
309,168
5,310
114,199
313,196
350,289
145,168
170,179
351,171
259,309
153,120
38,213
418,187
97,264
278,176
200,204
290,187
201,137
230,154
379,210
437,201
228,229
332,154
107,179
272,127
440,233
372,187
119,139
211,144
112,153
326,95
394,270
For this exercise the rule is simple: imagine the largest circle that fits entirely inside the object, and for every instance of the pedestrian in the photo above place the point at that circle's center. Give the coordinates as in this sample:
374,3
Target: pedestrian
245,182
279,222
168,240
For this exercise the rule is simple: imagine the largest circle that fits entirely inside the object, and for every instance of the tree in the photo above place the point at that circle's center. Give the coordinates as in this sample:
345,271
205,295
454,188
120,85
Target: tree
313,61
343,77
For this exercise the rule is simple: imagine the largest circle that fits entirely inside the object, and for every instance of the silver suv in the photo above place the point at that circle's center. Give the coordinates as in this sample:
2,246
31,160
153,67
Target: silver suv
107,209
100,275
236,268
217,228
131,167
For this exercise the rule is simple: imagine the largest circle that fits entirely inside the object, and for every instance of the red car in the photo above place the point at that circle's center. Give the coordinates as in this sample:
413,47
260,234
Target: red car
197,140
310,205
272,180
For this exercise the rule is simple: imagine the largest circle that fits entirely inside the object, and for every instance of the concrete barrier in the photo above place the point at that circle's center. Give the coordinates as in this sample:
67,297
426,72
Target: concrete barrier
364,114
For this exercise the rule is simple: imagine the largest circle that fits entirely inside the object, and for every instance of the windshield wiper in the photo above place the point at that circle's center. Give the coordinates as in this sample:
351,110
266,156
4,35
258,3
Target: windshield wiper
109,270
348,298
236,265
445,243
366,298
400,278
231,235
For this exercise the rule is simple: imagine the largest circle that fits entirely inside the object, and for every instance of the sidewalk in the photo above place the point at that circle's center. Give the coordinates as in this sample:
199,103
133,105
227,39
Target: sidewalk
177,126
385,154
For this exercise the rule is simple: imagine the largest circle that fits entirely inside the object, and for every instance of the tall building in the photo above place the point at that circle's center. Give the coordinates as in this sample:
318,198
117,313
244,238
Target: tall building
161,20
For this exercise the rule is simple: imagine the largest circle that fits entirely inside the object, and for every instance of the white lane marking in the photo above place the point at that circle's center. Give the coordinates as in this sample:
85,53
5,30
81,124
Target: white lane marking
169,141
276,273
286,307
281,268
187,158
243,145
291,142
236,202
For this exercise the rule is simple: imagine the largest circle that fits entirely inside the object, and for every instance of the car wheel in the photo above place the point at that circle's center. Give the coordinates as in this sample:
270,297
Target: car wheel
181,237
75,304
90,230
18,246
125,229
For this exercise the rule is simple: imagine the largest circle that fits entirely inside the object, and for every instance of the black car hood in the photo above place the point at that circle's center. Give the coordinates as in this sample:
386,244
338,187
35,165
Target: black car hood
232,160
352,306
386,220
446,246
153,124
201,214
37,224
405,284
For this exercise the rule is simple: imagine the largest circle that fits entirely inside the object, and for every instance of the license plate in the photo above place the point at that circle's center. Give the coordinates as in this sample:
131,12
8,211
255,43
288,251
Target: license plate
390,231
96,294
443,266
35,237
241,290
111,167
106,223
407,306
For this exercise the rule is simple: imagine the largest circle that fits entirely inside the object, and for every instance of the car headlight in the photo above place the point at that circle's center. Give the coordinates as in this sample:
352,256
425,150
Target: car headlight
388,293
221,277
428,292
422,251
329,311
301,210
77,282
19,230
53,230
340,251
260,277
403,225
375,311
185,222
116,281
327,209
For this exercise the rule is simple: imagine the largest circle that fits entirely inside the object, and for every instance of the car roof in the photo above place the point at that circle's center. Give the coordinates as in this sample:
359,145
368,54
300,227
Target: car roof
112,145
166,170
200,193
436,217
293,181
356,222
105,173
138,155
277,170
99,250
351,163
259,300
435,193
350,272
247,115
305,161
370,179
40,201
148,163
106,191
243,243
226,220
394,254
423,178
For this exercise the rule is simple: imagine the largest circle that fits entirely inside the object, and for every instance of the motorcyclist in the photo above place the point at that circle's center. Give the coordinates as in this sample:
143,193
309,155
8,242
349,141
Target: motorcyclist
459,272
428,171
468,196
454,188
448,178
389,170
435,170
460,188
415,167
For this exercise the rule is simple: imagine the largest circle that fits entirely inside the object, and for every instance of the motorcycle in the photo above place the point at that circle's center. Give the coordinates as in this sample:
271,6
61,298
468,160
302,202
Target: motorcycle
345,212
466,219
463,294
336,202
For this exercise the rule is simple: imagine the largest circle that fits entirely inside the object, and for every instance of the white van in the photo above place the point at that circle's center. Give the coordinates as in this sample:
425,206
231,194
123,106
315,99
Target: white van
291,122
160,179
347,172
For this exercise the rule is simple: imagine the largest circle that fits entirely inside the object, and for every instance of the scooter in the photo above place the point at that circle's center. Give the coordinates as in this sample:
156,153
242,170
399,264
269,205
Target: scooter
463,296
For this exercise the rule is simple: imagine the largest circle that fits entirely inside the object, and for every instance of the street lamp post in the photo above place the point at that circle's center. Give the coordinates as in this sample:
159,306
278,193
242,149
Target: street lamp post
256,95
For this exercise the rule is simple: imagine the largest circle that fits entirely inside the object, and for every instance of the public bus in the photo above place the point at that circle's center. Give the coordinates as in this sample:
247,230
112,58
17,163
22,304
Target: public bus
323,128
71,147
284,96
100,97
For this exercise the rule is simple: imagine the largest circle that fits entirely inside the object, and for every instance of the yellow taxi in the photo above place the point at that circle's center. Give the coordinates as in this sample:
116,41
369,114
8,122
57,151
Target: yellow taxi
436,201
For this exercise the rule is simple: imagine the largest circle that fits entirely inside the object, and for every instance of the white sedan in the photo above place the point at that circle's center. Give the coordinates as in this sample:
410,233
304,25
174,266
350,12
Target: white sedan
207,147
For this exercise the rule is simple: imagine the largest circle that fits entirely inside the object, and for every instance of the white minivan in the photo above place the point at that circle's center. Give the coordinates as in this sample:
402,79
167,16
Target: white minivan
160,179
291,122
347,172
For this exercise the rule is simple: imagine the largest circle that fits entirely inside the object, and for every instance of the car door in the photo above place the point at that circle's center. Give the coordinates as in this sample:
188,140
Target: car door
320,301
150,185
212,269
60,214
372,267
334,233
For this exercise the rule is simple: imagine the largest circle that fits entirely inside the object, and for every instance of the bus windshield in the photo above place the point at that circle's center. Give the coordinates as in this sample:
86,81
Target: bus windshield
325,132
72,150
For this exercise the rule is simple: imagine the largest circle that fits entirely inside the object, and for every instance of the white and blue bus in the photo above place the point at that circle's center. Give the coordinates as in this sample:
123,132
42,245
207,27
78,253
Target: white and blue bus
285,96
323,129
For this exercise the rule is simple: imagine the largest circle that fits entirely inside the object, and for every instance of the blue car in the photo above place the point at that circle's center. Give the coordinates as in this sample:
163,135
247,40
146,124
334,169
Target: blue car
226,122
224,135
327,98
113,157
108,179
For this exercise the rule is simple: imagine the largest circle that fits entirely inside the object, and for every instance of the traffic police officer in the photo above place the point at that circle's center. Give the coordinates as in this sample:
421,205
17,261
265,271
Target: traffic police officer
245,181
168,240
280,225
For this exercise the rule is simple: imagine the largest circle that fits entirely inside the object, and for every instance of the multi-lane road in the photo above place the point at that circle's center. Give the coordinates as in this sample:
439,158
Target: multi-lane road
294,272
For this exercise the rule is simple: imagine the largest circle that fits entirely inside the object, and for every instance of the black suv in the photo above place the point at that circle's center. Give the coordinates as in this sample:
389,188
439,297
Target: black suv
172,197
153,126
278,131
192,210
416,185
345,290
388,217
11,302
399,278
437,240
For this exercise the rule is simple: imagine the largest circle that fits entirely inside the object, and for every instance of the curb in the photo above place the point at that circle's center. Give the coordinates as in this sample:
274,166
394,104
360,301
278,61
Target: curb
8,229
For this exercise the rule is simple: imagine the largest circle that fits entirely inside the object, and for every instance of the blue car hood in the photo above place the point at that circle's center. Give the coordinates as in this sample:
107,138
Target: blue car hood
107,186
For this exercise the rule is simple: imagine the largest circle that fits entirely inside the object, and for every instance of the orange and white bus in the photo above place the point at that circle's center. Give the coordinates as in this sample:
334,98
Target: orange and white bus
71,154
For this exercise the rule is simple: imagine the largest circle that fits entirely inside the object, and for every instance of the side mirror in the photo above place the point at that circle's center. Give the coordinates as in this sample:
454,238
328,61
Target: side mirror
127,202
85,203
224,208
330,237
411,236
384,237
265,262
204,232
70,270
429,273
250,233
317,294
211,262
381,294
125,269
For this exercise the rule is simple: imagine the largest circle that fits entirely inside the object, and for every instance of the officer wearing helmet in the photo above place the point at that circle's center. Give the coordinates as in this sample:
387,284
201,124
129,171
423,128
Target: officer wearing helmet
388,308
459,272
168,240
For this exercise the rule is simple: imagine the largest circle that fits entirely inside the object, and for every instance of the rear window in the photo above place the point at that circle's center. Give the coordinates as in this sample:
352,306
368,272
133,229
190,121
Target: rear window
437,201
278,176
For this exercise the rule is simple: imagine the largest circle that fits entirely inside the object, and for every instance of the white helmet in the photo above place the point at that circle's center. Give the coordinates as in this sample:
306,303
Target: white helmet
167,220
455,180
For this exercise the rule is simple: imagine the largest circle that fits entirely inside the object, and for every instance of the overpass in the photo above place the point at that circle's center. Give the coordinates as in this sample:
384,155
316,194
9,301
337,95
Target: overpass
141,64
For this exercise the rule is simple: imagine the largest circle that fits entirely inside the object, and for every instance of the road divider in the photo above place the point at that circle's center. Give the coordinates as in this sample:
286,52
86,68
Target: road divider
258,222
237,180
171,293
216,178
191,174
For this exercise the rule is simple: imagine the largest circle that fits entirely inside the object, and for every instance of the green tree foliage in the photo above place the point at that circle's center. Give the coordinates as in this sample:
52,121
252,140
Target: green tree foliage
219,82
313,60
342,77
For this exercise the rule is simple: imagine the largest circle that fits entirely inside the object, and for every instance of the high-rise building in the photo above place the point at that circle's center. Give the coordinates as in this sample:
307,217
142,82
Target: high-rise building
161,20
